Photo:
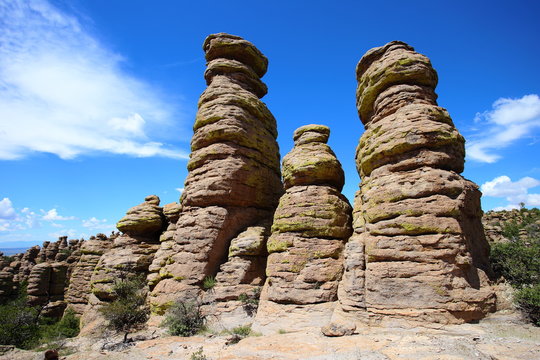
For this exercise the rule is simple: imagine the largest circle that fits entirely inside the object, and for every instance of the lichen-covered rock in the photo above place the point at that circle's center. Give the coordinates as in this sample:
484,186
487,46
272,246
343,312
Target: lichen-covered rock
311,161
311,224
143,219
419,250
233,183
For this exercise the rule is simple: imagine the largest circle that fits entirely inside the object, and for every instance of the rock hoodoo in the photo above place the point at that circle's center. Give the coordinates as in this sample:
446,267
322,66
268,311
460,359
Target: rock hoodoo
419,250
311,224
234,176
254,250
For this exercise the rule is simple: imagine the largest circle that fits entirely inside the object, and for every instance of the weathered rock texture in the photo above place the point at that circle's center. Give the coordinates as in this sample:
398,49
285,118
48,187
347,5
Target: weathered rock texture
233,182
311,224
79,285
418,251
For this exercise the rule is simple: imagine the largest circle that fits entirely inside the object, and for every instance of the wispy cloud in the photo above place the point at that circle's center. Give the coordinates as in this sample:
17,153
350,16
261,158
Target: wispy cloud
508,121
515,192
62,92
96,224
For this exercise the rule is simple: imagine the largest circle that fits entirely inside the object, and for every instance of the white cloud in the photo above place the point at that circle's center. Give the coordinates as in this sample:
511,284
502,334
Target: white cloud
180,190
97,224
507,207
52,215
6,209
10,220
508,121
515,192
62,92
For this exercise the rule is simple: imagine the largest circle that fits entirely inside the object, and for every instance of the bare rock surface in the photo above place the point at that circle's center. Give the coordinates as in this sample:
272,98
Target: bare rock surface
419,250
232,188
498,337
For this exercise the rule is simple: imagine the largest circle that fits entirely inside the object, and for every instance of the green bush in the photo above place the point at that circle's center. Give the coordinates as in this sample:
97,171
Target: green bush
209,282
67,327
184,319
198,355
129,309
528,299
242,331
18,324
518,261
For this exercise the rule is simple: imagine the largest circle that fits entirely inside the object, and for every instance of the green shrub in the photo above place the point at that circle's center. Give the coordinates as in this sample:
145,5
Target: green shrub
129,309
528,299
67,327
209,282
517,261
18,324
184,319
242,331
510,230
198,355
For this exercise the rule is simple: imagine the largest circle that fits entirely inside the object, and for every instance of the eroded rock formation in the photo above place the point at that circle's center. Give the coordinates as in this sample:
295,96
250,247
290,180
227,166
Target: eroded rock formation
419,250
310,227
79,285
234,176
412,247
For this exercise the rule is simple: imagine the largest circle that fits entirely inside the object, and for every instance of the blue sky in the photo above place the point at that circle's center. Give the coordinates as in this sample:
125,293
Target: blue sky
97,98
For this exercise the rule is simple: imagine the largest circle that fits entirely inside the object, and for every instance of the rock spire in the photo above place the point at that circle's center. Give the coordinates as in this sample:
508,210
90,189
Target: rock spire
311,224
233,179
419,250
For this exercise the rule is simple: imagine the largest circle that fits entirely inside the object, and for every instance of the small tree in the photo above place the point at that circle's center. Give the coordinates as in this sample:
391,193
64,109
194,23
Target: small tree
129,309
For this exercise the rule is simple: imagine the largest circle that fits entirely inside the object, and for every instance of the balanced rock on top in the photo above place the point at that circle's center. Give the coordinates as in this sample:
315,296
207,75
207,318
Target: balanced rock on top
310,227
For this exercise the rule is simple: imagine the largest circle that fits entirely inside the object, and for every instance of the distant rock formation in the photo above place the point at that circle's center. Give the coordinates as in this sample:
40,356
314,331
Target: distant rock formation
46,270
234,176
419,250
311,224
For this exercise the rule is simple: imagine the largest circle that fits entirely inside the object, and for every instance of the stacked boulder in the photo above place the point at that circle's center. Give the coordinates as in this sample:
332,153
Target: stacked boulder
419,251
129,256
132,252
311,225
164,253
234,177
79,282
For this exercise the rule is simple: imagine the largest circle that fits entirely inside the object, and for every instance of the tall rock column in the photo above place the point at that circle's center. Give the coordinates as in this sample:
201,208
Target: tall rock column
311,225
234,176
418,237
